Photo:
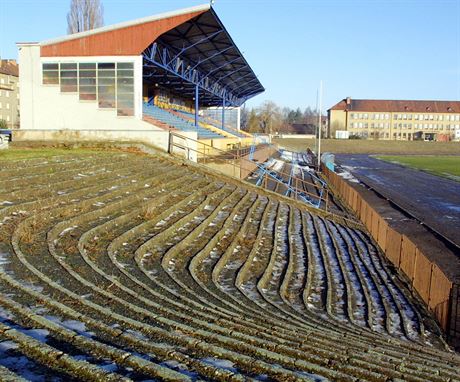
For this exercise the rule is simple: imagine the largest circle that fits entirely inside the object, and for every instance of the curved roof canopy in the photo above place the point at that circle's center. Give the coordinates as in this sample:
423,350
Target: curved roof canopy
201,52
183,50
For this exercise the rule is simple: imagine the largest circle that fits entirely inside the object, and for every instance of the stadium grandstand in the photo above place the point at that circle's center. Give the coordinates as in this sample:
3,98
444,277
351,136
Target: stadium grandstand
138,80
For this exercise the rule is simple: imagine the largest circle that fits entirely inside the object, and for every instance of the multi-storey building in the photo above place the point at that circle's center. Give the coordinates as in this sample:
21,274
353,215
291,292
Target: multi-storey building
396,119
9,92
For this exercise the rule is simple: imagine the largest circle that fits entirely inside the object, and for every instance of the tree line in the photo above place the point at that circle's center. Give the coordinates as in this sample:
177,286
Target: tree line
270,118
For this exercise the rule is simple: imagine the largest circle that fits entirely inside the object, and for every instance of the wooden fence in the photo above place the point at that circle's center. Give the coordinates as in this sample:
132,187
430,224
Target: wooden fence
440,294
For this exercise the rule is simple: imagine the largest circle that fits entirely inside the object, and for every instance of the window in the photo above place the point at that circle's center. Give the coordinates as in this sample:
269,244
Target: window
8,106
377,116
106,85
7,93
125,89
50,74
69,78
440,117
87,82
387,116
0,106
2,81
431,117
365,116
457,117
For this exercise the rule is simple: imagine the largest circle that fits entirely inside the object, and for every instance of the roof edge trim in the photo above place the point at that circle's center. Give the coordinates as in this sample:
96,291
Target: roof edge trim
143,20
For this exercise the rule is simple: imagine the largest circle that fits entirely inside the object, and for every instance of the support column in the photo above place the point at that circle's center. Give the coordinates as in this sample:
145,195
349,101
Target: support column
197,103
223,113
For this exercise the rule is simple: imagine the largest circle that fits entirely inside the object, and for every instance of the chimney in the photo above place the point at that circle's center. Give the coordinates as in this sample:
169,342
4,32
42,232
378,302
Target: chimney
348,100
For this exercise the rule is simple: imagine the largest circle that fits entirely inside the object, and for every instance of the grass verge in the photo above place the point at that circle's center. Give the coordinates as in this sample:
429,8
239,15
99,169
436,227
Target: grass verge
15,154
350,146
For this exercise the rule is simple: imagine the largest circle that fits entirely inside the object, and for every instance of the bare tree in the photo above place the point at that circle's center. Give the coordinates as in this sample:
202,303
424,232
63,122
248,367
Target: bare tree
84,15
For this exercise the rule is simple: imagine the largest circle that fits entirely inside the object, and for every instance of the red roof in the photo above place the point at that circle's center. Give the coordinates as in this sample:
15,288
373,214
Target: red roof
124,39
9,67
399,106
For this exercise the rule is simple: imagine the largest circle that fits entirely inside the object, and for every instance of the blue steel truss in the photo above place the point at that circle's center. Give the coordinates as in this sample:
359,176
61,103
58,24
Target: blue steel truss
166,59
263,170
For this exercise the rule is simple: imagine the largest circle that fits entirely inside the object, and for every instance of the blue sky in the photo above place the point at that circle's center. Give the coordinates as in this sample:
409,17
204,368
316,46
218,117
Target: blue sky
388,49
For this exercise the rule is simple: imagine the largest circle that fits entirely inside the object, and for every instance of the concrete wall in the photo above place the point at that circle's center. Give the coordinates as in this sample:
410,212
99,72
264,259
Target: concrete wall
45,107
429,273
158,138
260,155
184,145
296,136
337,120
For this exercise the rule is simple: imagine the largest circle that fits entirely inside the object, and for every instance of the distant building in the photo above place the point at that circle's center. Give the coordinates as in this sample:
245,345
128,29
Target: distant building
9,92
395,119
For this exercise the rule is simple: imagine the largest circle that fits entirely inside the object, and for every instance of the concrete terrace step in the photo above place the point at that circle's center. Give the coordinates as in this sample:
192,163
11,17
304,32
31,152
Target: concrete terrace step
128,274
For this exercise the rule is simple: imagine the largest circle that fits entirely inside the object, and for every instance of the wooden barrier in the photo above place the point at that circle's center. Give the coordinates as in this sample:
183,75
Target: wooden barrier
421,283
426,277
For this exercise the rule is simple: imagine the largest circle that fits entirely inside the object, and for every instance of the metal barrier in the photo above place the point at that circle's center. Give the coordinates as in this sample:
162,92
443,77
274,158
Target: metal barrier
236,163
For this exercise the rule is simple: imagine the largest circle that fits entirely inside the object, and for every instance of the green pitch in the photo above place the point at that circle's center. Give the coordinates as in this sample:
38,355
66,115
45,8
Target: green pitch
447,166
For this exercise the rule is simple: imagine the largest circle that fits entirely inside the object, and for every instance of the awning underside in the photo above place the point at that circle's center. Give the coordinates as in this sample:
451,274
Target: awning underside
200,52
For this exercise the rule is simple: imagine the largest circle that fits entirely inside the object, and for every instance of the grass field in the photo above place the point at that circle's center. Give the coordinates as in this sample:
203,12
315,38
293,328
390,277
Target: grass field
22,153
446,166
373,147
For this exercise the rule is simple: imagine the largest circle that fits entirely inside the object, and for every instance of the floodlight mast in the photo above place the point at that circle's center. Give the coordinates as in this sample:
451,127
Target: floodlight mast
319,123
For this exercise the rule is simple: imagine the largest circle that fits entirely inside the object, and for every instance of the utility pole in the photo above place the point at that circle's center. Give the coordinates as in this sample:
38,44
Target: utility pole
316,135
319,123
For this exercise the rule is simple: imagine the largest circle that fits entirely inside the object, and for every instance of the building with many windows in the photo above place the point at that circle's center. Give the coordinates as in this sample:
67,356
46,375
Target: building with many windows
396,119
9,92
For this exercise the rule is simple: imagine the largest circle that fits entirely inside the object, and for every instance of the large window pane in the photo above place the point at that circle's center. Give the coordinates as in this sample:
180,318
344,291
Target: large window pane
125,65
69,78
125,89
87,82
50,74
106,85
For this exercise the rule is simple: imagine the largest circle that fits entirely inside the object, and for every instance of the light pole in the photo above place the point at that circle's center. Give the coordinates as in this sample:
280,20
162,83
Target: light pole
319,124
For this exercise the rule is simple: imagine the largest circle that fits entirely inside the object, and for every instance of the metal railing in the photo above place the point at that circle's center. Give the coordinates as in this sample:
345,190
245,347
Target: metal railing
236,163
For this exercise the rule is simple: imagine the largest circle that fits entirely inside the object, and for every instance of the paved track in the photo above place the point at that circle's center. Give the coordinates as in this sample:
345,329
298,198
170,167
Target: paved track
431,199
